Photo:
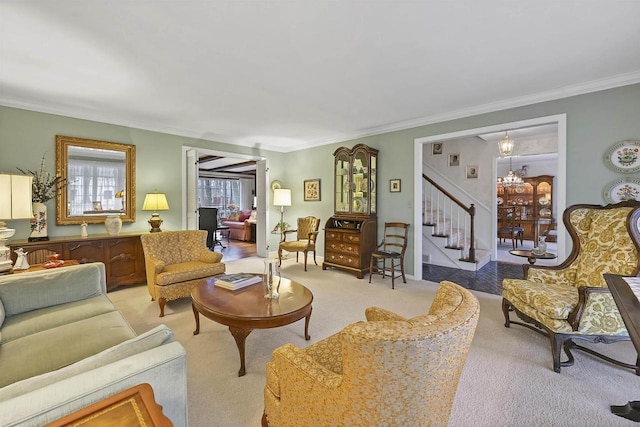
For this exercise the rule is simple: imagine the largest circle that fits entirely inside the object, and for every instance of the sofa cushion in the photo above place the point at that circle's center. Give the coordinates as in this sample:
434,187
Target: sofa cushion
235,216
176,273
57,347
244,216
154,338
30,291
35,321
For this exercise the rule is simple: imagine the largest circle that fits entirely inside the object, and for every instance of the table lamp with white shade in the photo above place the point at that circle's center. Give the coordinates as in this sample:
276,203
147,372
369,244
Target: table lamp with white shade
15,203
155,202
282,198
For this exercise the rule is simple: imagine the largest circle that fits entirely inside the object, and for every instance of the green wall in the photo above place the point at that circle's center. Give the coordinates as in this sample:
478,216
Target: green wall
595,121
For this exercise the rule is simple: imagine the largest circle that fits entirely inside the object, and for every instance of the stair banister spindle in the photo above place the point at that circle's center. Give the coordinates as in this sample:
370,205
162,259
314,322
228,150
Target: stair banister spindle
458,225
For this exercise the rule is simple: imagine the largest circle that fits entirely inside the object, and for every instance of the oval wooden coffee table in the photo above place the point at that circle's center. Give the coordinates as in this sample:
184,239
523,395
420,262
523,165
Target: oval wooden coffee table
247,309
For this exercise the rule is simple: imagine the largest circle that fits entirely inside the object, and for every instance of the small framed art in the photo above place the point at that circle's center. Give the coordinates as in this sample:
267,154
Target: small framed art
394,185
312,190
472,171
97,206
454,159
436,148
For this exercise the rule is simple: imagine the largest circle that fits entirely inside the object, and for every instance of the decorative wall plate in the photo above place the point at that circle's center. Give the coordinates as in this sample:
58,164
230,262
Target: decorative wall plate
500,201
519,189
622,189
275,184
545,212
624,157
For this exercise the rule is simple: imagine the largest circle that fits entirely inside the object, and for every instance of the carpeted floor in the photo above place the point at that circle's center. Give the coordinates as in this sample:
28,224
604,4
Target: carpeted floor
507,381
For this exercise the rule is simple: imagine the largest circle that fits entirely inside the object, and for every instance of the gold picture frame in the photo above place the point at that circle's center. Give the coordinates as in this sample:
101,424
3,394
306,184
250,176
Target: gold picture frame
312,190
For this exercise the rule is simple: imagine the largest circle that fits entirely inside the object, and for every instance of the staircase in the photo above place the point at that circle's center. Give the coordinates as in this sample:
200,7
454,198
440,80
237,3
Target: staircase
448,230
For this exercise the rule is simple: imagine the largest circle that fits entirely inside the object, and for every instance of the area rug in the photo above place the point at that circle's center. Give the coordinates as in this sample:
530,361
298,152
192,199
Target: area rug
507,381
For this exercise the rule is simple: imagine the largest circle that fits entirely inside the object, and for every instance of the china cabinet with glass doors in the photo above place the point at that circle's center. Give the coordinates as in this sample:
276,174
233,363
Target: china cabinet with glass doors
535,198
351,233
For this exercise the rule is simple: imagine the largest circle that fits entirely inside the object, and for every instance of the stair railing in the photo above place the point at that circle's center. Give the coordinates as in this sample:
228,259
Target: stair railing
436,200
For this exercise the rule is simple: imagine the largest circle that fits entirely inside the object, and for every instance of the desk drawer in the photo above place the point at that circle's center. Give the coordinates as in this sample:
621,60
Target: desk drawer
344,248
342,259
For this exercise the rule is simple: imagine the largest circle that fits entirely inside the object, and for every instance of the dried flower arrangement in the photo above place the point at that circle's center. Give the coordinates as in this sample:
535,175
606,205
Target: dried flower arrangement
45,186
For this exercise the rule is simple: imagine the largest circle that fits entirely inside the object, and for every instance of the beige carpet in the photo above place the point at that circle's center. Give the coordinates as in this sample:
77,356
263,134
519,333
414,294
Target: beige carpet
507,380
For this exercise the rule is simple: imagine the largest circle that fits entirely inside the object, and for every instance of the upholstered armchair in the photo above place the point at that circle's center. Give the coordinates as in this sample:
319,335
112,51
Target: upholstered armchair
306,235
389,370
176,261
571,301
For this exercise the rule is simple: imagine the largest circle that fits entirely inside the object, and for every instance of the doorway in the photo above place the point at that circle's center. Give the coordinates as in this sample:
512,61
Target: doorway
422,144
189,194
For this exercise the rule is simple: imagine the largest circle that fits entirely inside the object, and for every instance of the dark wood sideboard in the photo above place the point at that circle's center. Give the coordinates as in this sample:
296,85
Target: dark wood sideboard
122,255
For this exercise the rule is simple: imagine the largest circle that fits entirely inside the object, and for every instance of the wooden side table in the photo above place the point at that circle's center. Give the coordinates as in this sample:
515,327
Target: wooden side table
134,407
531,257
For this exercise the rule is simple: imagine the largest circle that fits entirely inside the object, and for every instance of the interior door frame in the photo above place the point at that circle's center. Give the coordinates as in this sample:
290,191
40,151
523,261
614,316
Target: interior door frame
262,237
559,189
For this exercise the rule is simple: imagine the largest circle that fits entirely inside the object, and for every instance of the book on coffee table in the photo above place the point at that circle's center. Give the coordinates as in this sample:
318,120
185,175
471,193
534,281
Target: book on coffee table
237,280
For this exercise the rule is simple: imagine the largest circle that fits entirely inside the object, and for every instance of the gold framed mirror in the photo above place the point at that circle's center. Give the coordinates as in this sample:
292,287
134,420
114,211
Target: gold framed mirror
100,179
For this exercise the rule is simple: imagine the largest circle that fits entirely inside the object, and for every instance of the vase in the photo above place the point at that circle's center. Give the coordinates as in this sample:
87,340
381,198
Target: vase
39,222
271,278
113,224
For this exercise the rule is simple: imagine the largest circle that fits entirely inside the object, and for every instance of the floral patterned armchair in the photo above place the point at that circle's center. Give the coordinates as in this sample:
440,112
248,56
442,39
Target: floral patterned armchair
175,261
387,371
571,300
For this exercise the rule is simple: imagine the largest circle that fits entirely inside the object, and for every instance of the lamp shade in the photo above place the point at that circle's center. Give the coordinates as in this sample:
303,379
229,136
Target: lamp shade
15,196
282,197
155,202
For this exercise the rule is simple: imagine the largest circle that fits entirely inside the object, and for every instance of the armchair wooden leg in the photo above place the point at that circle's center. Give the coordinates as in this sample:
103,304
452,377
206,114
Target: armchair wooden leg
305,260
161,302
506,308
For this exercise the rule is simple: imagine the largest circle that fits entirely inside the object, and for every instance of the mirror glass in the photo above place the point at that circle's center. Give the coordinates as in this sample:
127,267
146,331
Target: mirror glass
100,180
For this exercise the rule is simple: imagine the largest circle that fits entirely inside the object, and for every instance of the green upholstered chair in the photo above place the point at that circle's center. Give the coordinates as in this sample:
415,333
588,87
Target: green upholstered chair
388,371
571,301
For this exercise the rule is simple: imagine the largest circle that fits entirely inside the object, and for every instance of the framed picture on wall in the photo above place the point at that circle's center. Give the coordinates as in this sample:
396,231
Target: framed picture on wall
454,159
312,190
436,148
472,171
394,185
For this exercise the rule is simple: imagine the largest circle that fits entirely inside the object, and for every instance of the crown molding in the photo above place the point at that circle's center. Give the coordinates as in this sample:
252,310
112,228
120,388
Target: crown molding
564,92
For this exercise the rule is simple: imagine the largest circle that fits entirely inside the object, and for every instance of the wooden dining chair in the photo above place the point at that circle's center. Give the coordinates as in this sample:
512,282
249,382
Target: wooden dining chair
510,225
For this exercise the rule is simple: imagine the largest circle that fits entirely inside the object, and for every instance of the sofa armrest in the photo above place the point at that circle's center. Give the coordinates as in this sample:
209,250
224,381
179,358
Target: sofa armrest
163,367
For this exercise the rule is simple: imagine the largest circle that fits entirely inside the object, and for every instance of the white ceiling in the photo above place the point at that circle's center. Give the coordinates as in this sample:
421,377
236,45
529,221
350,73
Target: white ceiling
285,75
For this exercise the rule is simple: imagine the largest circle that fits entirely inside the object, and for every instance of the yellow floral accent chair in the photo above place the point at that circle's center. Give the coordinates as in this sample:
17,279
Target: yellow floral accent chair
306,235
571,300
388,371
176,261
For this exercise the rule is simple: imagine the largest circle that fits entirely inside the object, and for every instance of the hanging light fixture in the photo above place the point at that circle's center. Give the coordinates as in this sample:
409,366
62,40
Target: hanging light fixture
510,179
506,145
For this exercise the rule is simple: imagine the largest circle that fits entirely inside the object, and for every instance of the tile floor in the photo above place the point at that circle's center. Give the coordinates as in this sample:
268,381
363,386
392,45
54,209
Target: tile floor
489,278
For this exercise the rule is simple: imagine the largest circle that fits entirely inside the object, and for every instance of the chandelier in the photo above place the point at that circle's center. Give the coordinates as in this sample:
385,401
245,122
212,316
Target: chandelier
506,145
510,179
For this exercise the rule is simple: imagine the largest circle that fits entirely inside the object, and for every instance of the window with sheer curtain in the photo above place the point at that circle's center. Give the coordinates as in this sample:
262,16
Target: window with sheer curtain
220,193
93,186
